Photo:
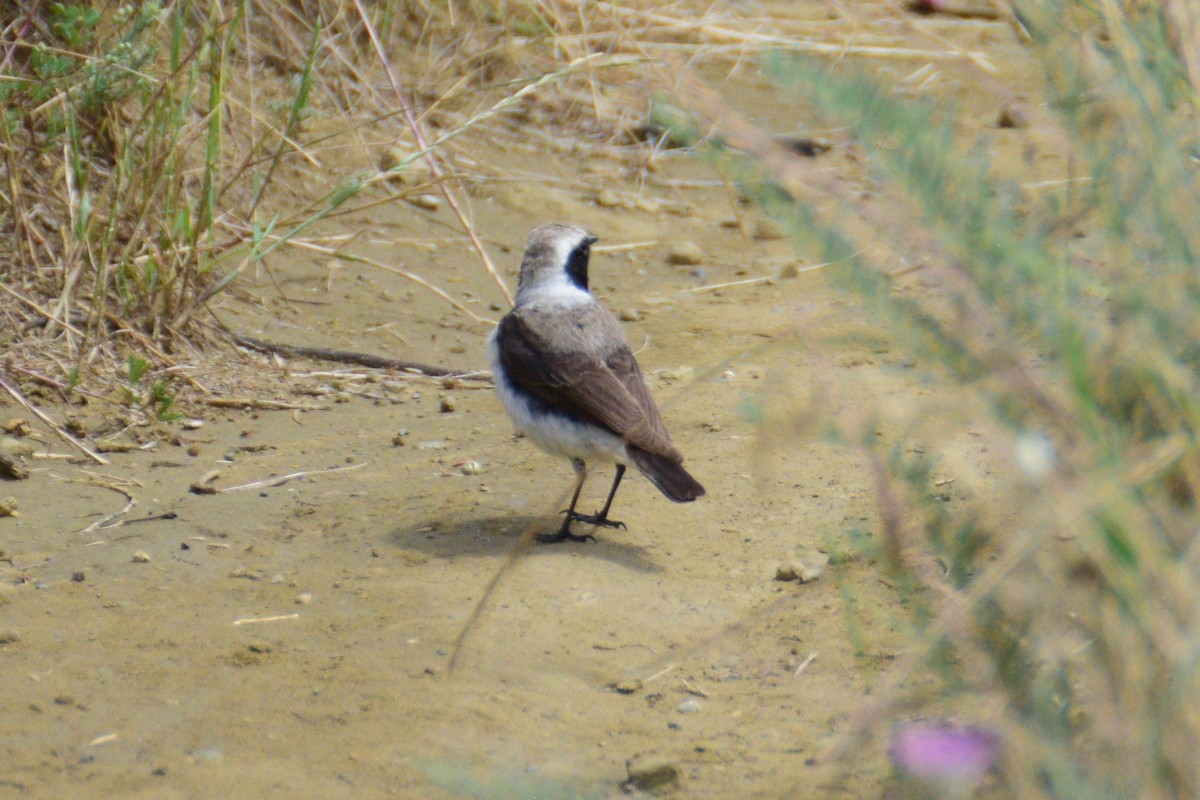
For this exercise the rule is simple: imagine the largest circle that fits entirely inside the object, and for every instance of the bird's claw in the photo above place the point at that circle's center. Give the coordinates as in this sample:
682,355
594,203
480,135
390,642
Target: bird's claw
597,520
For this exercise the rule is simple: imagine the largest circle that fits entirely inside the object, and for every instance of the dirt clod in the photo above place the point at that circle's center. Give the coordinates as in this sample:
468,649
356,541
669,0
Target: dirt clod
12,453
686,253
768,230
1013,114
650,774
802,571
626,687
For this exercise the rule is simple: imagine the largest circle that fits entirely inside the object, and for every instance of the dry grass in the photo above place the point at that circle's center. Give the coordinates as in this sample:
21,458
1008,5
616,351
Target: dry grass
153,157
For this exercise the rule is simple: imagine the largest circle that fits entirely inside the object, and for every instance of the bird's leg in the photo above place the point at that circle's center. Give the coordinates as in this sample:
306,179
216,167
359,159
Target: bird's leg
564,531
601,518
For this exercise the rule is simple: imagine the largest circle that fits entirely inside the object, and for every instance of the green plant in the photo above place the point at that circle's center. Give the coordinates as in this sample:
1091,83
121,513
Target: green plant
156,398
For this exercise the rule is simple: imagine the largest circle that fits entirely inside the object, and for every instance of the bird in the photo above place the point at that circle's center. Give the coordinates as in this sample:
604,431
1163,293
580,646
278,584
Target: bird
566,376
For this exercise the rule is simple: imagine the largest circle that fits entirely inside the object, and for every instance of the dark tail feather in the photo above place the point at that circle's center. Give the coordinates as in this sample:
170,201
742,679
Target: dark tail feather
669,476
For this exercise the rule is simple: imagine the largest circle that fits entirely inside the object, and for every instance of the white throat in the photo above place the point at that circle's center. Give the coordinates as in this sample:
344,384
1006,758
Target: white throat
553,286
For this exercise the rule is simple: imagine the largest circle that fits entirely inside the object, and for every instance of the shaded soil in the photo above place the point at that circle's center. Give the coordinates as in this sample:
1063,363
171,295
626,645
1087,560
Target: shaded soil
293,640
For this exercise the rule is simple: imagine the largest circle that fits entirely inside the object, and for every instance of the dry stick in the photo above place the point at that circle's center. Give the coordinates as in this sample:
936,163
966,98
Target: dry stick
363,359
259,620
93,455
105,520
282,479
264,405
522,545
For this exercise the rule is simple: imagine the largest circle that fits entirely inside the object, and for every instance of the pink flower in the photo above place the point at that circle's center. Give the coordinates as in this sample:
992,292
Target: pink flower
943,751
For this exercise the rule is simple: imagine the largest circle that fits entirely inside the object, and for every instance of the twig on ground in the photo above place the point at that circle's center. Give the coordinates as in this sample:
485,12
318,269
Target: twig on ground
351,357
263,405
257,620
94,480
16,395
803,665
282,479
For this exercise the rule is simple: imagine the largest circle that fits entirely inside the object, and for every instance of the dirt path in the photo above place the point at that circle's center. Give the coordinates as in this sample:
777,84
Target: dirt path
293,640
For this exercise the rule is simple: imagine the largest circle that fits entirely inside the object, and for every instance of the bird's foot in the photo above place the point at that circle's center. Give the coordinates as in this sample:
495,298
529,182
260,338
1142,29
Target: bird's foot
597,520
563,534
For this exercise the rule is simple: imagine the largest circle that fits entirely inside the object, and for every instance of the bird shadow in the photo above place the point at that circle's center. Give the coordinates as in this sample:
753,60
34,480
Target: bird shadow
497,536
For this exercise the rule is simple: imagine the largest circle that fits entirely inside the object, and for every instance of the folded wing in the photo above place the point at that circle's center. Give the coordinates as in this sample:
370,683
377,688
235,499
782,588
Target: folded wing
602,386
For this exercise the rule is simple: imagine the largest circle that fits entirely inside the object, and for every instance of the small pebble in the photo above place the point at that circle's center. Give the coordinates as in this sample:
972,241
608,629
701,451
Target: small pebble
141,557
673,374
429,202
685,253
391,158
304,598
413,173
629,315
807,145
1013,115
688,706
447,405
471,468
607,198
9,637
768,230
626,687
647,205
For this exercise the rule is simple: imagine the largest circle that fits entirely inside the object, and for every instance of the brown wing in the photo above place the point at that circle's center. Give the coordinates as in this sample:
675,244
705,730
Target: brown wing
577,372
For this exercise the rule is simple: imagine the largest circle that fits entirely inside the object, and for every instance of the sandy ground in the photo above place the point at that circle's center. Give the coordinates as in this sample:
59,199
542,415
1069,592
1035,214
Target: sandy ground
293,640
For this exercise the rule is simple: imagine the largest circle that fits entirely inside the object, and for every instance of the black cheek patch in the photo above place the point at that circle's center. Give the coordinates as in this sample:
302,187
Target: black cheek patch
577,265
